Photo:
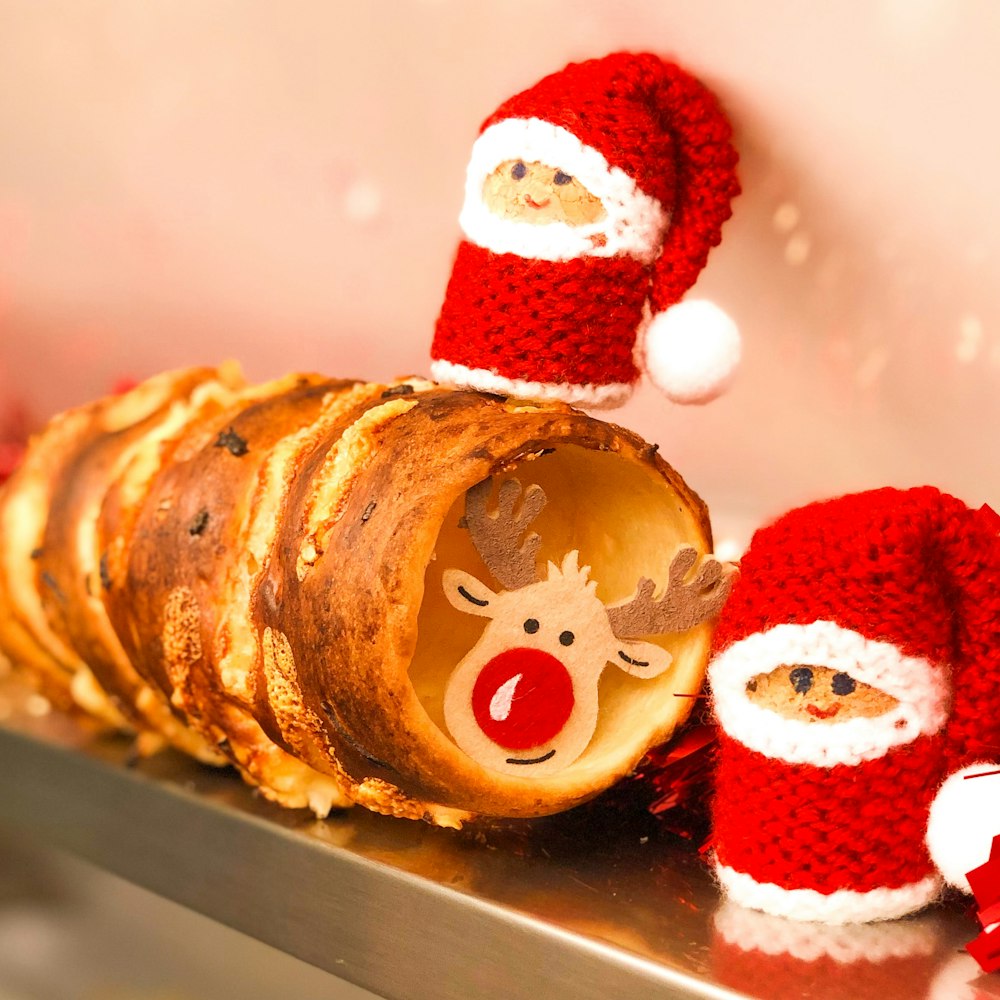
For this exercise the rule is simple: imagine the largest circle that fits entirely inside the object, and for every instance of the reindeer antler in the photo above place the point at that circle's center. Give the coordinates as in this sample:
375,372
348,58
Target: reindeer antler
495,536
682,606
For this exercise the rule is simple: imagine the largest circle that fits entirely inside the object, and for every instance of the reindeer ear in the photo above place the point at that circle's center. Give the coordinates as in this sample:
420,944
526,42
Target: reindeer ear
641,659
467,593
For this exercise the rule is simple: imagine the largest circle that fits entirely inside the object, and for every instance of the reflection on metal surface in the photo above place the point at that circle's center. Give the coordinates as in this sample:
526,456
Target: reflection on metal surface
593,903
768,955
69,930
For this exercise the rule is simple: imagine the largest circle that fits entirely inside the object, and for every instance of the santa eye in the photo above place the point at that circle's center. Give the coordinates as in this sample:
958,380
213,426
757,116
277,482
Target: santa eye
518,170
801,679
561,178
843,684
531,626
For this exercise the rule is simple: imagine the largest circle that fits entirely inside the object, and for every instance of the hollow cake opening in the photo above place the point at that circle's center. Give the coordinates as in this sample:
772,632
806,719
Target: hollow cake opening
626,522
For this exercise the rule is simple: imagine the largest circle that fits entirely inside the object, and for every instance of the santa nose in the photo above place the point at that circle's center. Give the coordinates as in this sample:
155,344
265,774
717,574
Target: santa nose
522,698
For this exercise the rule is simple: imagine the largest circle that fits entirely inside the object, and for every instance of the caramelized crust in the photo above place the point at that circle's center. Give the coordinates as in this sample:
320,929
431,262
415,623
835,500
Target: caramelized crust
53,618
250,574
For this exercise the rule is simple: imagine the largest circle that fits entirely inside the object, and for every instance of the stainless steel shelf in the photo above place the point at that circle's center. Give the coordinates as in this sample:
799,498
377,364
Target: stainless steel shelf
583,906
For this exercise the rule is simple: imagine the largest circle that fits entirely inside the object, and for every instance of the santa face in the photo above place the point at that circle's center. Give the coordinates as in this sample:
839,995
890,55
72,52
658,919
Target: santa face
533,192
866,696
818,695
580,205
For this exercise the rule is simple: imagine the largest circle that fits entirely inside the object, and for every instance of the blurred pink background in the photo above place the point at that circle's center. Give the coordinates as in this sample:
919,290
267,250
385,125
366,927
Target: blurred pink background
182,182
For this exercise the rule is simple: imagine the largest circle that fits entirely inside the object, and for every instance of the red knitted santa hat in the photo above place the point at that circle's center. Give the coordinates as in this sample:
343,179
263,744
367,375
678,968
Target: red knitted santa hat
650,141
898,589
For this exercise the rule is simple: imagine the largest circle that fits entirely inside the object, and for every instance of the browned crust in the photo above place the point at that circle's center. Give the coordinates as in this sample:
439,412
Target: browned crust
72,587
50,666
178,552
351,622
67,464
329,622
186,531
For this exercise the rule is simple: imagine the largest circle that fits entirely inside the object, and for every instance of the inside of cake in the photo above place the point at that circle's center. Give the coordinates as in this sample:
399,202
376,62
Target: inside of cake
626,524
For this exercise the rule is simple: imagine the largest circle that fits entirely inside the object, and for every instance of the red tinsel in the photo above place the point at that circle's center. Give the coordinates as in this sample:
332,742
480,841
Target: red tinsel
679,775
10,457
15,426
985,884
13,438
123,384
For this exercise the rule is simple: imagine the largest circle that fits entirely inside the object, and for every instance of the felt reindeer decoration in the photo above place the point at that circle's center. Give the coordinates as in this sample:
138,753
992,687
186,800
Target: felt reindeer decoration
525,698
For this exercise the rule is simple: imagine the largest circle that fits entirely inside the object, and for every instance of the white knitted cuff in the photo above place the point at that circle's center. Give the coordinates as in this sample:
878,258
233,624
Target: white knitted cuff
592,396
845,906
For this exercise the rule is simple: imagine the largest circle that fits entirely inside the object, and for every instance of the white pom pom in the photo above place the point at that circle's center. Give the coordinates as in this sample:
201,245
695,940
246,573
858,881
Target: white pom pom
964,819
690,351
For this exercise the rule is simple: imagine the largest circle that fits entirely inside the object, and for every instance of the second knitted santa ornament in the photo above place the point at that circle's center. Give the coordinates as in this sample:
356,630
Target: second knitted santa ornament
856,668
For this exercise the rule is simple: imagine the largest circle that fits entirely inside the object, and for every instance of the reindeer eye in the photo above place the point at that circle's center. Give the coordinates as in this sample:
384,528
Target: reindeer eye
531,626
566,638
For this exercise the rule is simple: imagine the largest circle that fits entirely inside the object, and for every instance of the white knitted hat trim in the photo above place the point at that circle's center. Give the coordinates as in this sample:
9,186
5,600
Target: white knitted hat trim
844,906
634,223
920,687
590,395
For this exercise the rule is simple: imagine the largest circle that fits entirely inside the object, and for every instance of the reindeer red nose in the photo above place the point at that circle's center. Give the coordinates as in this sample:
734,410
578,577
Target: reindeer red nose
522,698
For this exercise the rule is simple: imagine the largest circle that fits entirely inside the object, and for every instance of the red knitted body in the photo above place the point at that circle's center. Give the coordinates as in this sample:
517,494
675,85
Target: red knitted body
570,321
803,827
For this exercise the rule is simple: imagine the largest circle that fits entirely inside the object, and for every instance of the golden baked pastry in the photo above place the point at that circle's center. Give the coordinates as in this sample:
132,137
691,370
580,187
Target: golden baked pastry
266,575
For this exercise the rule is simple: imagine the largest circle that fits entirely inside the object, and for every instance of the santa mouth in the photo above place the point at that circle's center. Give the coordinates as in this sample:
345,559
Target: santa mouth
532,760
528,200
823,713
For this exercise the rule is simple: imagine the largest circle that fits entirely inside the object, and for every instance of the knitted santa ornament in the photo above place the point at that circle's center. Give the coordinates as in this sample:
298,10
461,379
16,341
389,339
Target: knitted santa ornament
592,200
856,667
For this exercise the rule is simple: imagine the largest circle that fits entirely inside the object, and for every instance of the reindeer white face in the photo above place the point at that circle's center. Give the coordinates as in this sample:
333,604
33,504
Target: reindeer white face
524,700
